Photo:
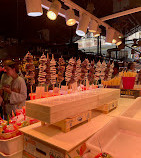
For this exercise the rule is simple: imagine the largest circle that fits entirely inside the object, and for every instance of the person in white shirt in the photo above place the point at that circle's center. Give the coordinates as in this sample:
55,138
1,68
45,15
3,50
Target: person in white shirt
17,90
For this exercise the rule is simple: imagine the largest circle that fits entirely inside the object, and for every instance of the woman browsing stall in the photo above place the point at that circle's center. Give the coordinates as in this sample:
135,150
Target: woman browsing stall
17,90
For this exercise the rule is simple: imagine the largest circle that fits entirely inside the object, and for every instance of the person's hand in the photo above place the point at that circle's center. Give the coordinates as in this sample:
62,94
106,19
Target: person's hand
8,90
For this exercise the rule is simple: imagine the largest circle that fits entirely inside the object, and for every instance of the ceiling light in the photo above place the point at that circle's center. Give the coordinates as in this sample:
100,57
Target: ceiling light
118,42
109,35
54,10
93,26
83,24
33,7
70,17
115,38
97,33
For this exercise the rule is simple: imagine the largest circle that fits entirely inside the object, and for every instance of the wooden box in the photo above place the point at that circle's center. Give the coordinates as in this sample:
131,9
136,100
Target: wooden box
55,109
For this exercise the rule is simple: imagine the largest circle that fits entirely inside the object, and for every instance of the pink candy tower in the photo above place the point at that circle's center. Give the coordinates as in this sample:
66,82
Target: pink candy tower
29,68
42,70
91,76
61,70
53,70
48,75
84,69
78,71
69,69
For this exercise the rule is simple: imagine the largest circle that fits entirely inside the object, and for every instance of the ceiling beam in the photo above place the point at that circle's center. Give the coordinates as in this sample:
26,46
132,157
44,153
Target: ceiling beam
117,15
46,4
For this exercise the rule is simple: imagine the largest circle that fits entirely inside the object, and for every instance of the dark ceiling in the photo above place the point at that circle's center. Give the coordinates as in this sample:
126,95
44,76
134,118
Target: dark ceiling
15,22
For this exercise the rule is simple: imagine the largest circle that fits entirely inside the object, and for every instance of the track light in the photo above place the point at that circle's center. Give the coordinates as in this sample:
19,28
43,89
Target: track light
109,35
33,7
70,17
97,33
83,24
118,42
54,10
115,38
93,26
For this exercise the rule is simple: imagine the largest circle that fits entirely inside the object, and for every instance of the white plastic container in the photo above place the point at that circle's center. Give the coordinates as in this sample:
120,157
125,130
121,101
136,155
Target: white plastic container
14,155
134,111
121,138
12,145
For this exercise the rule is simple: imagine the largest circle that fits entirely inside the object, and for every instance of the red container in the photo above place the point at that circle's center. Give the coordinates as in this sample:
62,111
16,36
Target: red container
128,82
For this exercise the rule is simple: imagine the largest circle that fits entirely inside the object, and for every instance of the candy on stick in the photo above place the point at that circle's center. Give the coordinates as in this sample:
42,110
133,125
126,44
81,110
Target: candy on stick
84,69
42,70
61,70
69,69
103,68
53,71
30,70
91,75
73,73
48,75
78,71
98,71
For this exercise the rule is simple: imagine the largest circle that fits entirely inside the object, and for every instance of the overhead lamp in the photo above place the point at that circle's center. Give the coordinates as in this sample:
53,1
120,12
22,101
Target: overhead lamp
54,10
135,43
115,38
83,24
33,8
109,35
97,33
93,26
70,17
118,42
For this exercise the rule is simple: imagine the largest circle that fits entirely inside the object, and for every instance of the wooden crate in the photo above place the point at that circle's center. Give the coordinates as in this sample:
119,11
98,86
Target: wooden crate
106,108
55,109
68,123
130,92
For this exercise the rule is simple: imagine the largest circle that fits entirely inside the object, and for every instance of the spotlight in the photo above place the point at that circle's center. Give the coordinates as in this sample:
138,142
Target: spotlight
109,35
115,38
118,42
54,10
93,26
33,7
83,24
70,17
97,33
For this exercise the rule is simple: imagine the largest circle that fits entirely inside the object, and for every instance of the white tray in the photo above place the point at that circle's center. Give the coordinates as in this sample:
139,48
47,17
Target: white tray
12,145
134,111
14,155
121,138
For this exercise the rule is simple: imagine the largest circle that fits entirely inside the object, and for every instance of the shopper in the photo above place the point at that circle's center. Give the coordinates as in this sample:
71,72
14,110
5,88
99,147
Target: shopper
131,67
116,70
17,90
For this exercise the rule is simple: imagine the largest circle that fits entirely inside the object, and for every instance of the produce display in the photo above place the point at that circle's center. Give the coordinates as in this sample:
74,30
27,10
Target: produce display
42,70
61,70
9,128
53,70
29,68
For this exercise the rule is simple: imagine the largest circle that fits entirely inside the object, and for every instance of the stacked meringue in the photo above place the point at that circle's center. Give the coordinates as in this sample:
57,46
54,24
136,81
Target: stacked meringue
61,70
78,71
69,69
42,70
53,70
91,76
29,68
98,70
